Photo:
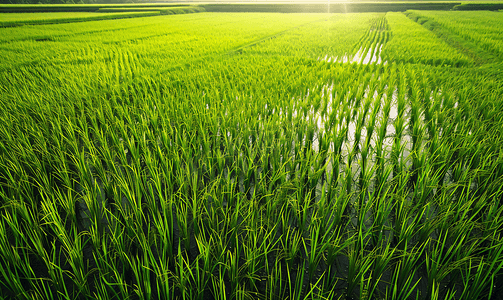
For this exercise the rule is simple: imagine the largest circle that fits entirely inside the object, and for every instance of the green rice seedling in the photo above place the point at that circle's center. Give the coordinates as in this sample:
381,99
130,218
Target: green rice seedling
348,181
233,270
335,161
336,247
141,273
315,249
363,211
103,292
164,224
314,290
382,261
295,286
115,267
407,215
13,265
29,240
301,208
438,265
252,258
274,286
364,153
184,224
380,150
219,288
417,133
106,268
381,211
203,267
291,243
359,265
478,284
427,180
56,273
72,246
403,279
183,275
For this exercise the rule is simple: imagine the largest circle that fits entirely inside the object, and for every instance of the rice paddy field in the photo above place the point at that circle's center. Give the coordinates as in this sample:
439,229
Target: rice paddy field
253,156
19,19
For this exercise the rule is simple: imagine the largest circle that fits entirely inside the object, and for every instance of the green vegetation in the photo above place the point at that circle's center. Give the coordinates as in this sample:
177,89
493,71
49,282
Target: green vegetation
98,13
26,8
251,156
18,19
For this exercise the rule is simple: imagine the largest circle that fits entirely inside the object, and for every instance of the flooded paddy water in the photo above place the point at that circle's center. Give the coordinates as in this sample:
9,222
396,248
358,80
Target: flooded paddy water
363,56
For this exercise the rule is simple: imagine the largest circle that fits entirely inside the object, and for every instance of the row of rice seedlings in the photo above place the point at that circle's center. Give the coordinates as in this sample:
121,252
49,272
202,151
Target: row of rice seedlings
371,43
30,53
331,35
369,46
